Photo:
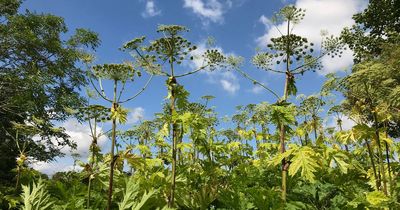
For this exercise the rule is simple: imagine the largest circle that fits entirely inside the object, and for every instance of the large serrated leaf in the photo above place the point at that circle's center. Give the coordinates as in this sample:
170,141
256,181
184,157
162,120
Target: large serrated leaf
304,160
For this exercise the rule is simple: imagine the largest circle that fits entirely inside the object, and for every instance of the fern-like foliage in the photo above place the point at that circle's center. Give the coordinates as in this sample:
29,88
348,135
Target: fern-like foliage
132,199
36,197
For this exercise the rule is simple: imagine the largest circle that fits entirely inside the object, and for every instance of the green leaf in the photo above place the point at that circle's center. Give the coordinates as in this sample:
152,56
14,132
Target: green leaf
339,159
119,114
283,114
376,198
304,159
278,158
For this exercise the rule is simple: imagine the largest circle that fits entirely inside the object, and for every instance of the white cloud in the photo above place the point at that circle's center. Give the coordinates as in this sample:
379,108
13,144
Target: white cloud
330,15
227,80
335,64
265,21
347,123
80,134
136,115
51,168
151,9
208,10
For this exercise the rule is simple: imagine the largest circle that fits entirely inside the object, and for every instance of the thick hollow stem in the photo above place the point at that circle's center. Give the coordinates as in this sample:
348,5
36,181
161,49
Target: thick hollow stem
282,131
315,128
113,142
282,149
172,85
380,154
371,155
92,161
284,162
388,165
110,183
388,160
18,178
89,189
112,164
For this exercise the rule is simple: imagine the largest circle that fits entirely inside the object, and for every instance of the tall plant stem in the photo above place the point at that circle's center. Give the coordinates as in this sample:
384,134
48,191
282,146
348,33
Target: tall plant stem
282,149
380,155
171,85
381,171
174,142
306,138
90,178
93,146
388,165
371,155
282,131
18,178
315,127
388,161
18,168
89,189
113,142
94,143
90,181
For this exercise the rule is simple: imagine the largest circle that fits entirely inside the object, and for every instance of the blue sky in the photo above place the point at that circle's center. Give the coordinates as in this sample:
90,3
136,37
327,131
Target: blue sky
238,26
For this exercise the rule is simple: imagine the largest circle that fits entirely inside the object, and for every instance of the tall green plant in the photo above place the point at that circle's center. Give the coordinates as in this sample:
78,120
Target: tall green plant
119,74
93,114
297,56
171,49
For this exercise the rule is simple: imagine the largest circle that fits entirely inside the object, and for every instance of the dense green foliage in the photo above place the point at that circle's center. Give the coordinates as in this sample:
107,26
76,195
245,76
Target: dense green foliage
39,81
279,155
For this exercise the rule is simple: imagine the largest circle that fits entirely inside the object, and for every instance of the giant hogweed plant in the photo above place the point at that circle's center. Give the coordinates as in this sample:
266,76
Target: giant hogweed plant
93,115
162,57
291,55
119,75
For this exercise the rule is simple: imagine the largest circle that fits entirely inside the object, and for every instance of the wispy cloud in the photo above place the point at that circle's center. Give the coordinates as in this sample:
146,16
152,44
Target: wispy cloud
151,9
208,10
136,115
229,82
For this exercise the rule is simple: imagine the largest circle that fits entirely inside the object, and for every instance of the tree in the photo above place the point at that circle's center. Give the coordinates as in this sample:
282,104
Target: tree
39,79
377,25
